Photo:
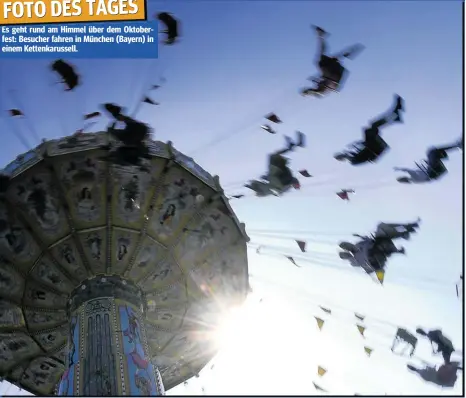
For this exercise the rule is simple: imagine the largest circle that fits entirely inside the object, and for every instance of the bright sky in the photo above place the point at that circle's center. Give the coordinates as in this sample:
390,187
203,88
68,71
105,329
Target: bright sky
238,61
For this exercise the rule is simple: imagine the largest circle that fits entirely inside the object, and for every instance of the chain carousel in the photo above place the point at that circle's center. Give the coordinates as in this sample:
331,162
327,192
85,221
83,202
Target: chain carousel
113,279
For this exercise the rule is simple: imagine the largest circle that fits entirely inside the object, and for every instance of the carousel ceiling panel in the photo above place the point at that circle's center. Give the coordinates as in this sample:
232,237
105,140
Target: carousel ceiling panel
166,318
175,373
66,253
36,196
221,277
157,339
203,313
83,180
173,295
212,230
132,193
94,244
36,295
198,355
15,348
11,316
39,319
149,254
11,281
162,361
61,354
161,273
49,274
23,162
184,342
52,339
124,245
16,243
179,198
69,215
76,143
182,370
42,375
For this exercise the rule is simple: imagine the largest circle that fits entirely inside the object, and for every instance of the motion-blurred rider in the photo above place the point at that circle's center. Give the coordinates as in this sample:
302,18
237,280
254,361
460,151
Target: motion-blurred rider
132,136
431,169
279,178
444,344
376,249
445,376
373,146
331,70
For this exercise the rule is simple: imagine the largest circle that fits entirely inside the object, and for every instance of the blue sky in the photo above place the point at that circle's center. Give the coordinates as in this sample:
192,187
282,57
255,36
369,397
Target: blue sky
238,61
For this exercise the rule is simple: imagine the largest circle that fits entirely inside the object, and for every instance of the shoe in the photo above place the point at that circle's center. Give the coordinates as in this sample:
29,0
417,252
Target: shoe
320,31
399,107
340,156
400,104
114,110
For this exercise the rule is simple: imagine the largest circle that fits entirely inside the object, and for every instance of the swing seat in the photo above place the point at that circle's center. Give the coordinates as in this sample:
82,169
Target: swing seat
340,156
345,255
349,247
403,180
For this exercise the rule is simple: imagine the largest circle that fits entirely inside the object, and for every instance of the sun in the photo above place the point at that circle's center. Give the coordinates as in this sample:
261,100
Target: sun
263,338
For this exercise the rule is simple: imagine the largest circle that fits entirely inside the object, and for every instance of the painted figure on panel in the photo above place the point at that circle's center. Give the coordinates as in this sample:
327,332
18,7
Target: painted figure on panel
67,380
141,371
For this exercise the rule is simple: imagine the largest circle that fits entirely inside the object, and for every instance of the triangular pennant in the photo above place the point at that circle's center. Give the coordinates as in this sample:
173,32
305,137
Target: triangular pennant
361,330
360,317
15,112
380,276
318,387
325,310
292,261
147,100
320,322
321,371
304,173
368,351
302,245
273,118
91,115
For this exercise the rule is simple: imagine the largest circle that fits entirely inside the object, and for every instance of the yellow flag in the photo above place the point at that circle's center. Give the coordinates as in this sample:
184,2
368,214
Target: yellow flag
321,371
368,351
361,330
380,276
320,322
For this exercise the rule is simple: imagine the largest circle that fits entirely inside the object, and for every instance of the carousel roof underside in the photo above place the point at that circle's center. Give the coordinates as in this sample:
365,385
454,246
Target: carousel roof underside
69,216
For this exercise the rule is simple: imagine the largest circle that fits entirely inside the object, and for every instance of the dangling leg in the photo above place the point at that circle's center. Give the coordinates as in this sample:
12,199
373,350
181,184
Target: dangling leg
322,61
395,343
395,231
394,115
387,247
322,48
349,52
436,154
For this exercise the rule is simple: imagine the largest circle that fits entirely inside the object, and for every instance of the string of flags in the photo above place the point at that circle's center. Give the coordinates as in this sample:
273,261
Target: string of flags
302,245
